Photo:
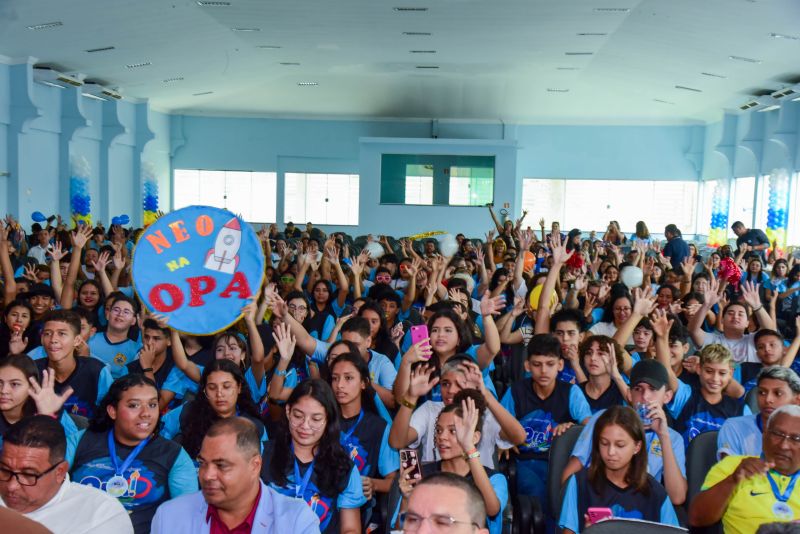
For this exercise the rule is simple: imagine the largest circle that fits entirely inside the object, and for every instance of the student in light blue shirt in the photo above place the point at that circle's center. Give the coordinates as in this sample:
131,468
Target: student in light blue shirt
666,457
113,346
742,436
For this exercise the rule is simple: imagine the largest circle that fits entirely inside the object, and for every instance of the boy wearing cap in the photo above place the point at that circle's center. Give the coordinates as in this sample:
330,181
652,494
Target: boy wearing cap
666,458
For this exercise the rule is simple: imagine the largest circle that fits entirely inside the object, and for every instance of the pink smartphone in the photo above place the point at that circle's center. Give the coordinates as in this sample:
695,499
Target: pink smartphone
418,333
599,514
409,458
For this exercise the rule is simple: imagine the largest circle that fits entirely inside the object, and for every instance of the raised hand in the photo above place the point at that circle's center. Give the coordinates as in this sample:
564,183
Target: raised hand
492,305
81,236
30,273
274,301
284,340
420,351
519,307
101,262
250,310
466,425
421,383
750,294
490,236
397,333
605,289
147,356
473,378
661,323
16,343
57,253
44,395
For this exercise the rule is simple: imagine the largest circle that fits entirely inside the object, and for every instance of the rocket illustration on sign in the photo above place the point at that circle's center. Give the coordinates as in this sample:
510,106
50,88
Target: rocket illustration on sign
224,257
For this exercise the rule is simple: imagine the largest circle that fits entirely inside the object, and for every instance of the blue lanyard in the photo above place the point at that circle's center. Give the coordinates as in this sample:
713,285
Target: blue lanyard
345,436
112,451
782,497
301,483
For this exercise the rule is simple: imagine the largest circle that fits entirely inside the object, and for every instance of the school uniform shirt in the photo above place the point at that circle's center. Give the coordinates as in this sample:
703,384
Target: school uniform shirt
610,397
540,416
655,454
740,436
625,503
180,384
752,502
325,507
161,375
743,349
89,382
79,509
274,514
423,421
367,442
174,423
116,355
695,415
161,471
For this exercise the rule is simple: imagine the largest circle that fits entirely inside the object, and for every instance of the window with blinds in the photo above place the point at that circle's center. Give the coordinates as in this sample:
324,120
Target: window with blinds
321,198
253,195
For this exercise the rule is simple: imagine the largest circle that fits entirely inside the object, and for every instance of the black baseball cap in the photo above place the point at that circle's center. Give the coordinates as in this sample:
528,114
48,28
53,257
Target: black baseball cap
651,372
37,290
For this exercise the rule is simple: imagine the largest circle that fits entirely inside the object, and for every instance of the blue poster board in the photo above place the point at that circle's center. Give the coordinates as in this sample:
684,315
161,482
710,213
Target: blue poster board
198,266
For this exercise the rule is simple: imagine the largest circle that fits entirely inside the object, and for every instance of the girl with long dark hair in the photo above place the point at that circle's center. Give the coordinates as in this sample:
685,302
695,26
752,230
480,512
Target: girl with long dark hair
223,393
306,460
122,453
364,433
16,330
617,477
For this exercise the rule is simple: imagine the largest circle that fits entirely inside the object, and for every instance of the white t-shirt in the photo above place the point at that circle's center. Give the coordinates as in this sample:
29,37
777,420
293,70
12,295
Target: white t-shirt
607,329
423,420
743,349
79,509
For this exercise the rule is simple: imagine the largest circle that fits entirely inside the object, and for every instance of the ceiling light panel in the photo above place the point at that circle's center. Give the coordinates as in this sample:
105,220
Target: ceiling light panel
712,75
419,34
744,59
138,65
612,9
684,88
307,84
411,9
102,49
785,36
174,79
46,25
246,30
204,3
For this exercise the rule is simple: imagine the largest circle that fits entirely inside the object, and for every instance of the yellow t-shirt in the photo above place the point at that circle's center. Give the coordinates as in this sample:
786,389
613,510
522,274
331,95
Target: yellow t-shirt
751,504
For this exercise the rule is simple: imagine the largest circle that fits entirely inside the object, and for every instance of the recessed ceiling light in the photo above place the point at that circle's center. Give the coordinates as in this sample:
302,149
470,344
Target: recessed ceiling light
46,25
591,34
174,79
425,34
410,9
268,47
205,3
204,93
688,88
568,68
612,9
246,29
663,101
51,84
103,49
553,90
427,66
138,65
94,97
305,84
290,64
745,59
711,74
422,51
578,53
784,36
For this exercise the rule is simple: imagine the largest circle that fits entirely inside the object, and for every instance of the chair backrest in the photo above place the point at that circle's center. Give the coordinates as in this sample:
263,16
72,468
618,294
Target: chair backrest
633,526
700,458
751,400
560,451
80,421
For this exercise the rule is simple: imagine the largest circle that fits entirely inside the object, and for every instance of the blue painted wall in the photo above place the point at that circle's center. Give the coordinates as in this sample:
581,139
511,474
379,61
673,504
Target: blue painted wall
42,127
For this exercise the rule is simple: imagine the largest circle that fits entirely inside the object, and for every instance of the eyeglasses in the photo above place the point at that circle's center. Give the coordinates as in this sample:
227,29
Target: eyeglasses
121,311
383,279
443,523
25,479
296,420
295,307
794,439
287,279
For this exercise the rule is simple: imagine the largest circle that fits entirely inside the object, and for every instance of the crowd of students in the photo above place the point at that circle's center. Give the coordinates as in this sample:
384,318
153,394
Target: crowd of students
465,363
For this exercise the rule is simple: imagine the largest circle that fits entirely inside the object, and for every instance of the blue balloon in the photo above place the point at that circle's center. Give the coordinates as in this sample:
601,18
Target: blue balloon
38,216
124,219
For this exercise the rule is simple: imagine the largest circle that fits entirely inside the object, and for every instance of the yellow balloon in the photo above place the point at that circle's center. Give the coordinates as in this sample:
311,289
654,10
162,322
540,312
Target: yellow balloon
536,292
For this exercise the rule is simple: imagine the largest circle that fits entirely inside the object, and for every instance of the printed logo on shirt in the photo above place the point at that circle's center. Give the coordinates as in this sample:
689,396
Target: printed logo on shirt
655,447
142,487
358,454
78,406
699,423
620,512
538,427
120,359
320,505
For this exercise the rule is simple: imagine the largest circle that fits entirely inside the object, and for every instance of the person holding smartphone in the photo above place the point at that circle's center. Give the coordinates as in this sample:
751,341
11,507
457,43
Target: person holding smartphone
616,484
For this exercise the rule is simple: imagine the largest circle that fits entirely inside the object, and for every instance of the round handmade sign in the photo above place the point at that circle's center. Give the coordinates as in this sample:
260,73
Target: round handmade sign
198,266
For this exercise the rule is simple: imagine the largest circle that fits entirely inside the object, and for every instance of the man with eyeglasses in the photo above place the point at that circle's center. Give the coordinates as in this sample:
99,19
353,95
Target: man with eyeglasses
34,481
444,502
745,492
113,346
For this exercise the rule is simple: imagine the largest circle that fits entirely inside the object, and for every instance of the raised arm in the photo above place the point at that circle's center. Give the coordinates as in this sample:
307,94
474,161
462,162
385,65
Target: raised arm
494,219
100,272
661,325
411,291
418,384
304,341
10,285
751,297
711,296
56,255
343,286
285,342
525,240
465,434
643,305
560,257
491,337
79,238
254,338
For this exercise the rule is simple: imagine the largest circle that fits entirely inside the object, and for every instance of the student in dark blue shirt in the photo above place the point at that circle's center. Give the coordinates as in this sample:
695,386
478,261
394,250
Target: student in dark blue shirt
546,407
617,477
676,248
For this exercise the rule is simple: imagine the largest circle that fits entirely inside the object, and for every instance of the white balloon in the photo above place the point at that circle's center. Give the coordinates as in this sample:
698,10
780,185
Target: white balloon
632,276
79,167
448,245
148,172
375,249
